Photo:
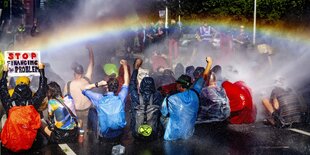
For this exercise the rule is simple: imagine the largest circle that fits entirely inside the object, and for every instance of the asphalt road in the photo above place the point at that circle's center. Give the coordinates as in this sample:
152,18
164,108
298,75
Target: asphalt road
208,139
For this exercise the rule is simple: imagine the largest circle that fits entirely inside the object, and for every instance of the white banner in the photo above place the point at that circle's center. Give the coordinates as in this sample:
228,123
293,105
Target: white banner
22,63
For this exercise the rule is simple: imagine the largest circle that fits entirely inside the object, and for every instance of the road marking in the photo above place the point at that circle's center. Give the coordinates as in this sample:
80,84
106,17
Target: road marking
300,131
274,147
66,149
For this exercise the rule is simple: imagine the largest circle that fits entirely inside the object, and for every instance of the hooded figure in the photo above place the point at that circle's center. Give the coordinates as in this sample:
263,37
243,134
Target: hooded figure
178,70
147,91
189,70
22,94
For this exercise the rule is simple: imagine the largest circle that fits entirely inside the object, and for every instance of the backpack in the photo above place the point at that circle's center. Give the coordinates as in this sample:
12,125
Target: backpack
20,129
147,120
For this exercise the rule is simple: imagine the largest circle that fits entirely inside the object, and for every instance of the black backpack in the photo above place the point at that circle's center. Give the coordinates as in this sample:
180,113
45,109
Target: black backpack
147,116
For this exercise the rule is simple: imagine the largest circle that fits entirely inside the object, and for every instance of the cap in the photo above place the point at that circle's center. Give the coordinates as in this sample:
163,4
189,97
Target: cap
185,80
22,80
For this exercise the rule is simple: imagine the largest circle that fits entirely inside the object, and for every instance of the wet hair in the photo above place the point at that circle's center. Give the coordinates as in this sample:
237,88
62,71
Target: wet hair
112,85
212,78
54,90
217,69
77,68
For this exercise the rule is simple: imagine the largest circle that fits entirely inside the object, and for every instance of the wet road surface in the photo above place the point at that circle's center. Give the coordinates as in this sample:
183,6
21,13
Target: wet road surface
254,138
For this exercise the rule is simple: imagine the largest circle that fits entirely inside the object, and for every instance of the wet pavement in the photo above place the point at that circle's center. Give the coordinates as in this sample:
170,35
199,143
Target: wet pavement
208,139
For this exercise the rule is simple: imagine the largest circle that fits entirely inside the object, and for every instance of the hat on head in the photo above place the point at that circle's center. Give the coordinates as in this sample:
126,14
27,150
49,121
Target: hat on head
185,81
22,80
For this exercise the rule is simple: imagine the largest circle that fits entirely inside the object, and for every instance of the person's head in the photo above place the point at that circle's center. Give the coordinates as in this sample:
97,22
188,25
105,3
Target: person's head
179,70
173,21
189,70
217,69
147,86
53,90
198,72
183,82
78,70
142,73
205,23
112,85
280,82
241,28
22,80
212,79
22,91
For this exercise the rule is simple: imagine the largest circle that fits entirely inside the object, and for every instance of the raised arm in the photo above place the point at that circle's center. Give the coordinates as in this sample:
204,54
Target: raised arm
90,67
126,74
39,96
96,84
208,68
133,90
4,89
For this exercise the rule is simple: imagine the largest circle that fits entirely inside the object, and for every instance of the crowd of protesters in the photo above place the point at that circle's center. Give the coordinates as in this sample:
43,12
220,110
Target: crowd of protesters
166,98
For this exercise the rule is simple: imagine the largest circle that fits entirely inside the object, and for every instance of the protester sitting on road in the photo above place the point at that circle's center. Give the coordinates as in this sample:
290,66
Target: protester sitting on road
284,106
62,123
21,108
145,106
110,107
74,87
214,103
179,110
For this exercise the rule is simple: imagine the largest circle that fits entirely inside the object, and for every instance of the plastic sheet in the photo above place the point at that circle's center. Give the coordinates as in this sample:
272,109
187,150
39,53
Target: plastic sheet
183,109
20,129
242,107
111,116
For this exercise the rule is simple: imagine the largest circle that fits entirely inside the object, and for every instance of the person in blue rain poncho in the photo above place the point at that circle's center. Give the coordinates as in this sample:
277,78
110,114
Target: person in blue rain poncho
179,110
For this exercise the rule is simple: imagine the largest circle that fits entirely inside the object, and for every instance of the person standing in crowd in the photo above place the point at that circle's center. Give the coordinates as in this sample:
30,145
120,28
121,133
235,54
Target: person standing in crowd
63,124
174,34
110,107
204,35
242,41
74,87
179,111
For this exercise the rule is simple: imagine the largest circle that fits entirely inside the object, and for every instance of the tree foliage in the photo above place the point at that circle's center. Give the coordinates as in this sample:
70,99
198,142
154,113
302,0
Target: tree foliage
268,11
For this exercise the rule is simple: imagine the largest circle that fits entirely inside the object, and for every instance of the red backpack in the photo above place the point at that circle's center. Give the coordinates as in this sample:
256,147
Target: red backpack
20,129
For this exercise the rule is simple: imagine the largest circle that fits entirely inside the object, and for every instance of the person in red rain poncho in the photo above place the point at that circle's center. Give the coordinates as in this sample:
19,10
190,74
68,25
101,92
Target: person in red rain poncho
242,107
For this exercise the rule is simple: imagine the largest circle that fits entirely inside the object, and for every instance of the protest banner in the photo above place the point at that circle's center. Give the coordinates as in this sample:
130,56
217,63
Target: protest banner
22,63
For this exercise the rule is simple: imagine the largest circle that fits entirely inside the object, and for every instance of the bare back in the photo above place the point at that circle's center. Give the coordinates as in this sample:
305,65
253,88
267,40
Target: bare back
81,102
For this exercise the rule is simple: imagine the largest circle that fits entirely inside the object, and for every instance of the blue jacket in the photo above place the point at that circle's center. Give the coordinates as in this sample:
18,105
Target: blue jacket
182,109
111,111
